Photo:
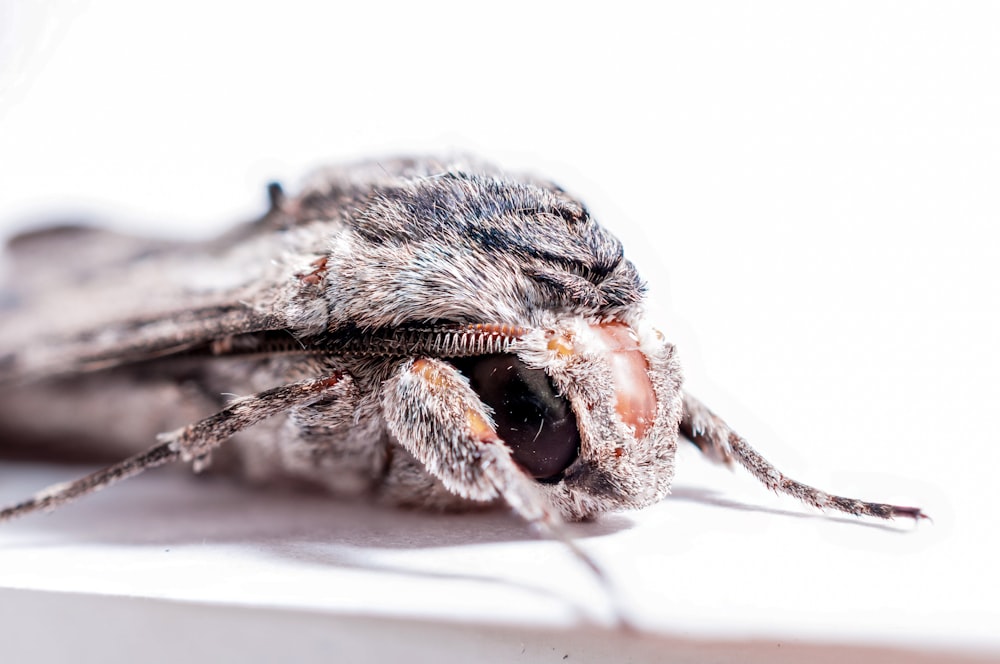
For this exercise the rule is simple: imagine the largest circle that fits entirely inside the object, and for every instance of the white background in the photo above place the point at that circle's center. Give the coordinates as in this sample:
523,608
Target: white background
810,190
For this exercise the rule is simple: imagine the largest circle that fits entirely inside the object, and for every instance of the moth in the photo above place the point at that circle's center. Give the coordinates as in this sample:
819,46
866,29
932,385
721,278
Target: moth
426,332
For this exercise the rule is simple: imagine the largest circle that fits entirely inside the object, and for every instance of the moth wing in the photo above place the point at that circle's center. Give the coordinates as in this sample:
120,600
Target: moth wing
76,299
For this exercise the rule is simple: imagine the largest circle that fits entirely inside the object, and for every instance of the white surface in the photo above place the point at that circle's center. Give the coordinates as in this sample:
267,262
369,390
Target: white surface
704,569
810,190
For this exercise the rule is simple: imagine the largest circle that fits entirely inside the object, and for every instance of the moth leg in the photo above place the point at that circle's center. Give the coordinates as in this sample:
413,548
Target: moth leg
714,437
698,425
432,412
191,443
195,442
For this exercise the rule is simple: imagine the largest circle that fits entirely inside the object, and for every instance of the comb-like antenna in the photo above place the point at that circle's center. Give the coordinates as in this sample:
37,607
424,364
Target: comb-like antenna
446,341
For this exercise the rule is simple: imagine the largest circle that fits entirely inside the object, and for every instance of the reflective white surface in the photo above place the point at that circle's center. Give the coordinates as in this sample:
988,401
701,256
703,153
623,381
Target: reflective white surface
720,560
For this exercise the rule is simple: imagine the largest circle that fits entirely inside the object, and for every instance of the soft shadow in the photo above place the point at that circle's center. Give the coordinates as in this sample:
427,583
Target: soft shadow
326,556
713,498
173,509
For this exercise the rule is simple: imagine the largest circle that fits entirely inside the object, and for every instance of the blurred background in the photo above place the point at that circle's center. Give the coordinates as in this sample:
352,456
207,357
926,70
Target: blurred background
810,188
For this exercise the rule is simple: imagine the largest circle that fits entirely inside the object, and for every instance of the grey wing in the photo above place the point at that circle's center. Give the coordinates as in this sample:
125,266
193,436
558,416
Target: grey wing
76,299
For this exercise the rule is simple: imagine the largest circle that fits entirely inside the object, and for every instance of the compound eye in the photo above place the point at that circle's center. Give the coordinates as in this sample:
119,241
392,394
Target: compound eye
536,423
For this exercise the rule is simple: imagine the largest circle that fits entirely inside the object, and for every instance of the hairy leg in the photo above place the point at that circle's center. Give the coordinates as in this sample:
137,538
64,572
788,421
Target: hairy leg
721,444
192,443
434,414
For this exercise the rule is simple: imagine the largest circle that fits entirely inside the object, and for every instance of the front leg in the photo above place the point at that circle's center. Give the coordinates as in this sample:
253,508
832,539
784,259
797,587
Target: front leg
436,416
433,413
720,443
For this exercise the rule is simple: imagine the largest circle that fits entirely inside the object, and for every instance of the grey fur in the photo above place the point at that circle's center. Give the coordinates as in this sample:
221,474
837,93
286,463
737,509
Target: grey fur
338,311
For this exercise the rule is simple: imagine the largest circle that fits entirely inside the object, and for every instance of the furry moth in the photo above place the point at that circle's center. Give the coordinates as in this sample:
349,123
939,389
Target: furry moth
433,333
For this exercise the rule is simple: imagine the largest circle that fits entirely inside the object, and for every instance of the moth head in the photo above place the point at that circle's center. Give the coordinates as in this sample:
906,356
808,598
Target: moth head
484,248
590,409
473,248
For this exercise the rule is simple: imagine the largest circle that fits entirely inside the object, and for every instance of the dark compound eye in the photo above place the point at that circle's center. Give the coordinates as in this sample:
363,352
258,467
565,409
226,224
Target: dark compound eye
536,423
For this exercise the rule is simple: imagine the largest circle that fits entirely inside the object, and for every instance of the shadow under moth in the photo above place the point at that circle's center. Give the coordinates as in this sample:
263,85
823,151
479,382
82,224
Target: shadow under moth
431,333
